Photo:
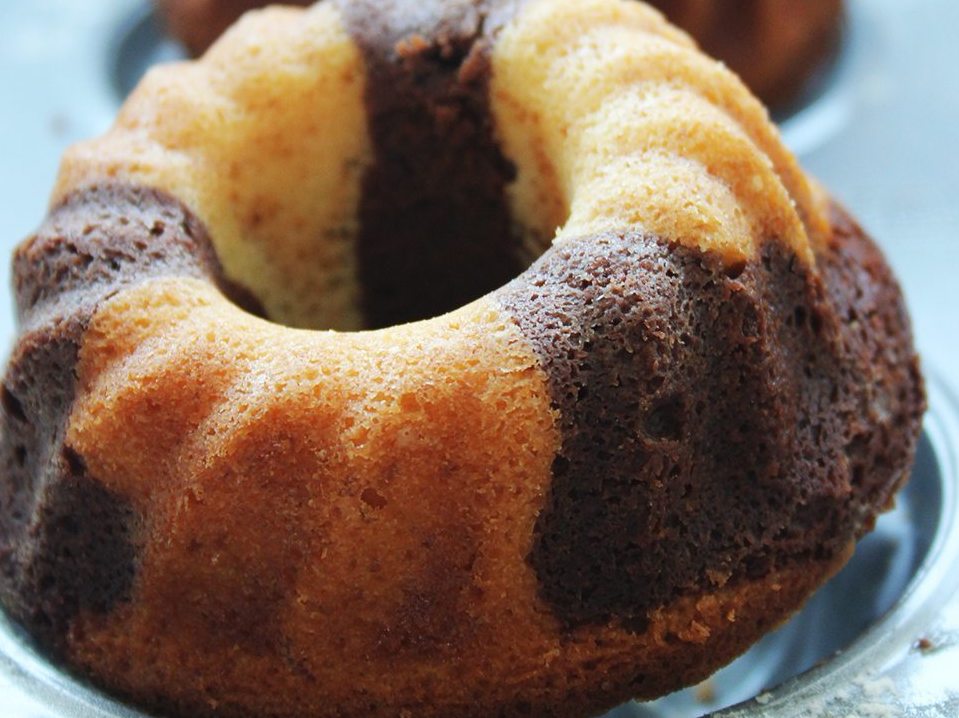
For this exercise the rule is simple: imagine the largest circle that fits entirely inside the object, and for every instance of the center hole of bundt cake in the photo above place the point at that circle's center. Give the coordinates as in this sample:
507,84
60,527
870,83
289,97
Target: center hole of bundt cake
382,200
433,240
435,230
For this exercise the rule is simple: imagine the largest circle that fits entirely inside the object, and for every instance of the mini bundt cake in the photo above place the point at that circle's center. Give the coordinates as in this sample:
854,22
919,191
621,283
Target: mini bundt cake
198,23
551,469
775,46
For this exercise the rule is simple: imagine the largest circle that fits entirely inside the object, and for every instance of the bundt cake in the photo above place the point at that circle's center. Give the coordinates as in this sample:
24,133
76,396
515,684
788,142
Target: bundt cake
551,469
776,46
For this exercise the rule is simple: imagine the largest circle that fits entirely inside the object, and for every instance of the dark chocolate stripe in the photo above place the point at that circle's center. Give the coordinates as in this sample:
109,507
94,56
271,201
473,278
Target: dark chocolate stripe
435,230
715,422
66,542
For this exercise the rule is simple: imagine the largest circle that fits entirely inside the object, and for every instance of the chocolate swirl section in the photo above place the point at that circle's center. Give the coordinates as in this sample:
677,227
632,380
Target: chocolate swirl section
717,422
67,543
435,228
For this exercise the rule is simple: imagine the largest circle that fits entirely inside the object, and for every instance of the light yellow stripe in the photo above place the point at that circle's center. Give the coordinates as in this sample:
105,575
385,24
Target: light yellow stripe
608,112
265,140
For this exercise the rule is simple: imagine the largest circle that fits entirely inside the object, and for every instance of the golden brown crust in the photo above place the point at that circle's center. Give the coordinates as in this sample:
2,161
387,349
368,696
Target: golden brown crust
403,486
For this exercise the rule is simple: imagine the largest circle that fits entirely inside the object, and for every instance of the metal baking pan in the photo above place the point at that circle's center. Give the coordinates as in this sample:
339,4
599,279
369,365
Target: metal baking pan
879,129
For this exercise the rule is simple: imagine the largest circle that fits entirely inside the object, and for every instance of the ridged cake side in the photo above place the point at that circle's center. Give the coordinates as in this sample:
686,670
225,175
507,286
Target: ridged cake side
712,420
67,542
614,122
325,505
